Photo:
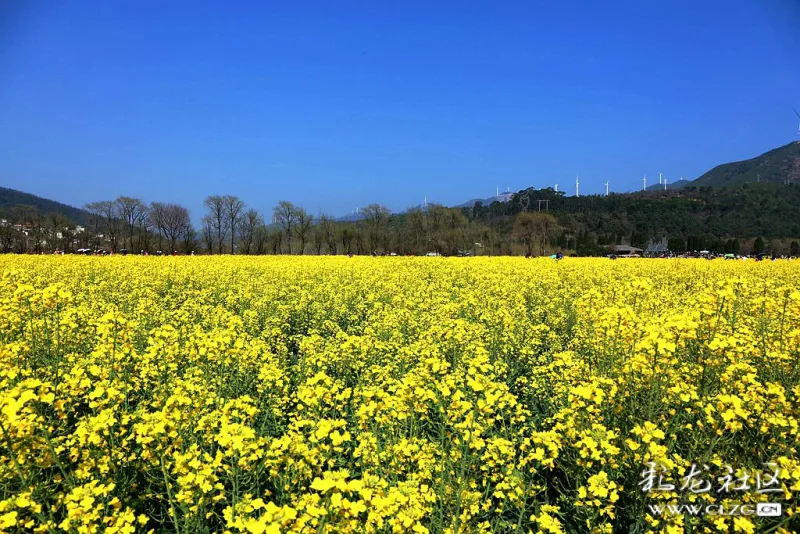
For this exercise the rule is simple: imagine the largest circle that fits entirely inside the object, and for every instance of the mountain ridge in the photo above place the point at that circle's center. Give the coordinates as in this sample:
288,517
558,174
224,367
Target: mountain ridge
10,198
779,165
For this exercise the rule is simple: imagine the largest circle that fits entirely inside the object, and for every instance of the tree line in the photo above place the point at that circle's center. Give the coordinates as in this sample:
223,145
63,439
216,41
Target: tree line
229,226
745,219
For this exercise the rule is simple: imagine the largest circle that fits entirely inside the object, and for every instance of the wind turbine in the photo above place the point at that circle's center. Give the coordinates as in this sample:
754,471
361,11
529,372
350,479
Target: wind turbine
659,178
577,186
665,183
644,183
606,184
798,116
556,188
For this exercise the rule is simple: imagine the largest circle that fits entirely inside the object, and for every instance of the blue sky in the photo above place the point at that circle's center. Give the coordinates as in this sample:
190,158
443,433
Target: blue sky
334,105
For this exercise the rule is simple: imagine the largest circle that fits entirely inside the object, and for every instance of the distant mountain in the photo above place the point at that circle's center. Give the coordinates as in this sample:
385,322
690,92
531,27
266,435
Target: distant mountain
677,184
502,197
780,165
471,202
11,197
352,217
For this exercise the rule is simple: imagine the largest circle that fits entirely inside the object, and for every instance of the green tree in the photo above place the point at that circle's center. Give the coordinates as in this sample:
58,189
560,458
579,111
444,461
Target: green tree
532,229
676,244
758,246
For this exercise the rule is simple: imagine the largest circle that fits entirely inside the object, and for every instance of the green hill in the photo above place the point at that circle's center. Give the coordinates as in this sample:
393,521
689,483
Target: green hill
677,184
780,165
11,197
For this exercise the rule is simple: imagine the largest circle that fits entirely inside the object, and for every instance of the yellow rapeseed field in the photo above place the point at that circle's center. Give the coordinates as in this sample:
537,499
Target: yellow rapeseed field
311,394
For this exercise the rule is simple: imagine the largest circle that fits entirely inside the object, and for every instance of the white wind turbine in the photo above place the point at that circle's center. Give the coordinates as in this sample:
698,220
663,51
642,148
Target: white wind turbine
665,183
577,186
798,116
606,184
644,183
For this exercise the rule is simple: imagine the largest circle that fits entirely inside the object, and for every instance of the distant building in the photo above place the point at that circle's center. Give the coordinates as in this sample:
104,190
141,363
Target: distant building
626,251
657,248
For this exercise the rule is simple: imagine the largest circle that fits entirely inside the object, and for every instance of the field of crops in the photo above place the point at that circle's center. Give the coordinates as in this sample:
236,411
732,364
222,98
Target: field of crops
278,394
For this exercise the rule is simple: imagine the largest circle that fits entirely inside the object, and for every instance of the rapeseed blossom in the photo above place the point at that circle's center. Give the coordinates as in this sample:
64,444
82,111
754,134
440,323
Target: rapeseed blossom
286,394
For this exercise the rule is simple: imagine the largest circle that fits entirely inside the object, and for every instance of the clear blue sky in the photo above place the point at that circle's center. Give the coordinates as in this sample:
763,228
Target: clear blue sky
333,105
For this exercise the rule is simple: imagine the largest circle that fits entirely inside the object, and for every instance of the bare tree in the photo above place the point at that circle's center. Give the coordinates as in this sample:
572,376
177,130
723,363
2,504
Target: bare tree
285,216
261,239
176,220
218,218
347,235
59,230
359,241
95,220
328,225
249,223
325,230
275,241
111,221
130,211
171,221
232,207
303,227
318,235
8,238
25,215
190,238
83,237
38,231
143,230
157,217
376,217
435,215
108,215
208,234
417,223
